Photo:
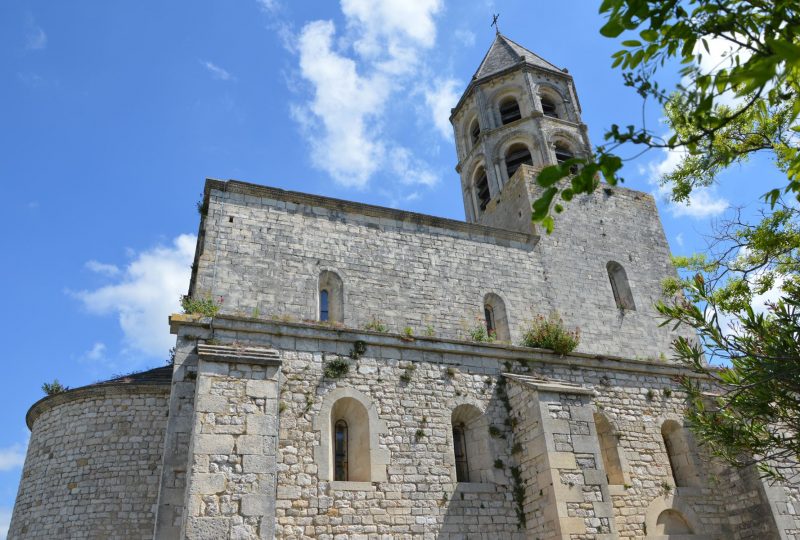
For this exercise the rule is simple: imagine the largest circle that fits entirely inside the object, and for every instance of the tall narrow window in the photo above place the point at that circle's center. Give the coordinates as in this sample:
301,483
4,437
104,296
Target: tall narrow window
516,155
609,450
460,450
549,108
330,297
488,313
494,310
509,111
323,305
340,451
619,286
475,131
482,188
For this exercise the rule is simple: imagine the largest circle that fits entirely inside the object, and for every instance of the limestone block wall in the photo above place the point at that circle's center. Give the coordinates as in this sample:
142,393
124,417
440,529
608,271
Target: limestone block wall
262,250
413,386
93,464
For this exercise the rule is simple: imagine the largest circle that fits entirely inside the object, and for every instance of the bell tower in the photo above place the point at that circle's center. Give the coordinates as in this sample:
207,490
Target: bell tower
518,114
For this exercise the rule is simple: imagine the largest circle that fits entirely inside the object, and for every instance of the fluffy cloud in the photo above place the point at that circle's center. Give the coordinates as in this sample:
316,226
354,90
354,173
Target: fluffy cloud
102,268
352,77
703,202
440,98
12,457
145,293
217,72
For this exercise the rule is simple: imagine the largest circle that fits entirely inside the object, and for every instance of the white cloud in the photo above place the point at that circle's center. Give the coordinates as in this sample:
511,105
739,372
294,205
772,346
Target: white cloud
217,72
465,37
5,522
269,6
102,268
352,77
721,54
679,239
703,202
409,170
440,98
146,292
97,352
35,37
12,457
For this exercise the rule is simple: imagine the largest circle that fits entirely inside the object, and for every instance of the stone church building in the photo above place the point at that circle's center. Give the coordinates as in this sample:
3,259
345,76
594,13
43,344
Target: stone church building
341,392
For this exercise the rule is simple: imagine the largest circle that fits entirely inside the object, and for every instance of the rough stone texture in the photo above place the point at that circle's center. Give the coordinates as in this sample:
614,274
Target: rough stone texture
93,465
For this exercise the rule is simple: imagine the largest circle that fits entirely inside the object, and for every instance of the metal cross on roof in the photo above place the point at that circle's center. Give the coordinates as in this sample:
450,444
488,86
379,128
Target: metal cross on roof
494,22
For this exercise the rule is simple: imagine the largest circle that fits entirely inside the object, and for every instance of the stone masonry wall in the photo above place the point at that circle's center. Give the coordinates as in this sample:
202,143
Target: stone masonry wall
262,251
93,466
414,385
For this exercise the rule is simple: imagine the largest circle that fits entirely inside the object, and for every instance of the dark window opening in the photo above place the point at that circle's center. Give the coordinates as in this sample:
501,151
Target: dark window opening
549,108
475,131
340,451
460,450
517,155
562,155
323,305
509,111
488,313
482,185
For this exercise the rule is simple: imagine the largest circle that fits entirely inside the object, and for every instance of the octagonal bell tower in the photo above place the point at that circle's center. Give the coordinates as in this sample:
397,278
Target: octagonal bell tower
518,110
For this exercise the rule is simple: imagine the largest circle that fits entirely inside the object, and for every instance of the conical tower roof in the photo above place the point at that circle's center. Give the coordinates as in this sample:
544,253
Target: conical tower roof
504,54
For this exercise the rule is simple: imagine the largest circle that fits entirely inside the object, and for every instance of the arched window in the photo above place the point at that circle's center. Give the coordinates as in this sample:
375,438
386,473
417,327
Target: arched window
672,522
563,153
474,131
619,286
482,189
473,460
509,110
460,451
516,155
680,455
330,297
340,451
494,310
549,107
323,305
609,450
350,444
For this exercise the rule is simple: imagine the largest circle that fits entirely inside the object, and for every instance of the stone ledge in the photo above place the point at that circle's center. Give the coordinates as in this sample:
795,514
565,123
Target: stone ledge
238,355
475,231
476,487
337,485
495,351
546,385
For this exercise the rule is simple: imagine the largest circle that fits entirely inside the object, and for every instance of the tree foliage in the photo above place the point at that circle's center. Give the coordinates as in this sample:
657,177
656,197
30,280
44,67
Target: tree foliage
749,410
742,296
761,70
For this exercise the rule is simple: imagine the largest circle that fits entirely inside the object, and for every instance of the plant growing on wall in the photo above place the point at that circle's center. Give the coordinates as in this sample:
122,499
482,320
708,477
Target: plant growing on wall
550,333
54,387
205,306
376,325
479,333
336,368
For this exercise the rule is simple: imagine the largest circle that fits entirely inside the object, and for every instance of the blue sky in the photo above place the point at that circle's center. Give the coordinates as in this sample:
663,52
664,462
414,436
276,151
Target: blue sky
114,113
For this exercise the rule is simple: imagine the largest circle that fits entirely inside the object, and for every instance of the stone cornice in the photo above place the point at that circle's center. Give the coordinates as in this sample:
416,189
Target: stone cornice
401,217
550,385
93,391
238,355
499,352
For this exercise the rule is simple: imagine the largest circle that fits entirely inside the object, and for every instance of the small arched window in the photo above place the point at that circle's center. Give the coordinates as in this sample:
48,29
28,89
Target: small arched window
680,455
330,297
516,155
482,189
609,450
509,111
323,305
549,107
619,286
340,451
494,310
474,131
563,153
460,451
